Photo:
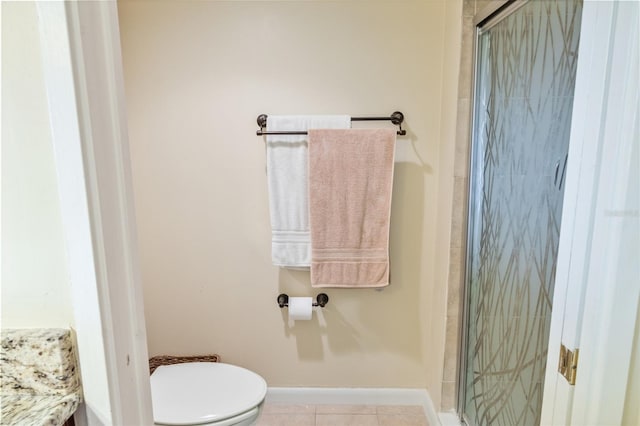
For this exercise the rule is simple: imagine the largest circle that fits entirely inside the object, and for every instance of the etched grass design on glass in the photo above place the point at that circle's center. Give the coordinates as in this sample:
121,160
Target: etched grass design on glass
524,99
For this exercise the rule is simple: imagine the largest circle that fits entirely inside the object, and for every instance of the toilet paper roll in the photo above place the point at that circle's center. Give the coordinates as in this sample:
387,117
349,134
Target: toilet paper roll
300,308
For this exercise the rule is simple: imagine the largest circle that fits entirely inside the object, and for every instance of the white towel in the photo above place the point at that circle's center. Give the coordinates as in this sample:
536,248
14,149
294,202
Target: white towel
288,186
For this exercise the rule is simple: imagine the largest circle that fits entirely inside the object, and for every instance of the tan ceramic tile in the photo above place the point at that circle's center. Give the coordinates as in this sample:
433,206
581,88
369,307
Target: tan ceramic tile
463,138
448,396
468,7
345,409
288,408
409,410
465,75
451,350
401,420
346,420
454,286
288,419
459,211
481,4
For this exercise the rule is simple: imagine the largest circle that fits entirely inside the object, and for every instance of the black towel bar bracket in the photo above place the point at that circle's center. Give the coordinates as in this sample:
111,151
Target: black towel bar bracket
321,300
396,118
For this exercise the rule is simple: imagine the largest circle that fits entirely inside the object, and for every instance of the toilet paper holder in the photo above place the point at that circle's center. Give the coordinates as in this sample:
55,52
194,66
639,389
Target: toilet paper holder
321,300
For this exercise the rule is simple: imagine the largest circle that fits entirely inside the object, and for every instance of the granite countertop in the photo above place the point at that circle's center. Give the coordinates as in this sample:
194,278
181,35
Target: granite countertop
40,383
35,410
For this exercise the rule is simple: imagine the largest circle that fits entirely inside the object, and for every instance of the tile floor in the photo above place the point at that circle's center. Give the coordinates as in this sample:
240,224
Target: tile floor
342,415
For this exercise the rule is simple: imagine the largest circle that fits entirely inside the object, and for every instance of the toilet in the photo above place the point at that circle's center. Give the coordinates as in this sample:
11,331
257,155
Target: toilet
206,393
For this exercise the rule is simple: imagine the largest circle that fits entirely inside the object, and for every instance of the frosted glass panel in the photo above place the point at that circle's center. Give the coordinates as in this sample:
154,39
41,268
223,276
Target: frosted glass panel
524,99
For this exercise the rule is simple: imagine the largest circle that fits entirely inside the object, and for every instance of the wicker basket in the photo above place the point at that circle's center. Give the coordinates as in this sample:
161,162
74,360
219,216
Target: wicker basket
159,360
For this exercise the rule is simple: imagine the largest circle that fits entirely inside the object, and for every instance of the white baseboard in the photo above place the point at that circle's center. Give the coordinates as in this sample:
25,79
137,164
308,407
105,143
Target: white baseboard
449,419
355,396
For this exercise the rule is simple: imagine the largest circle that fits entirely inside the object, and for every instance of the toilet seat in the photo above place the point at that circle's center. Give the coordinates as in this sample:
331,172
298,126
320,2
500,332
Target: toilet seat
204,392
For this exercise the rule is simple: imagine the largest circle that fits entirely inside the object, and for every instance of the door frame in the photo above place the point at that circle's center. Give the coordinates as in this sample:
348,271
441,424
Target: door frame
490,10
597,290
82,65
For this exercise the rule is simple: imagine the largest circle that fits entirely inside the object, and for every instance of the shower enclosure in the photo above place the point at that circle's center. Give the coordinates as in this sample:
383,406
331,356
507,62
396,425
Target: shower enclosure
526,56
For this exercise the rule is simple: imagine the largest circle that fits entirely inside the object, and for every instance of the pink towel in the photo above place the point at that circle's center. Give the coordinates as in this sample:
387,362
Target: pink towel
350,181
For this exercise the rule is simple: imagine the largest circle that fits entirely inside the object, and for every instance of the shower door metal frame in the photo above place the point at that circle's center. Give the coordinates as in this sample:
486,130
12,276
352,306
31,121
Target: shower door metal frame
488,17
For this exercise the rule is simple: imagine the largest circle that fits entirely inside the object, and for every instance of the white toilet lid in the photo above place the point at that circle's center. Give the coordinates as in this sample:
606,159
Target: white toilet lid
203,392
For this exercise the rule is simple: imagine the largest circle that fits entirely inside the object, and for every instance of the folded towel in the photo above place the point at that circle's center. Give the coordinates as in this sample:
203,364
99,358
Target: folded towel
350,182
287,179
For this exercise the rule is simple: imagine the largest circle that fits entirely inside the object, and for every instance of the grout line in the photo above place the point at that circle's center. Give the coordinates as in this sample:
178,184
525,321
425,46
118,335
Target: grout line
399,411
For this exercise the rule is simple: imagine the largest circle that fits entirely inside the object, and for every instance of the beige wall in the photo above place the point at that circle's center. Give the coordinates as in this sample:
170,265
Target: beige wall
197,74
35,283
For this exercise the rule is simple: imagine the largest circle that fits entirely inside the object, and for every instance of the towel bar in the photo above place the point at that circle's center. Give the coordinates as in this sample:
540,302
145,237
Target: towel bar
321,300
396,118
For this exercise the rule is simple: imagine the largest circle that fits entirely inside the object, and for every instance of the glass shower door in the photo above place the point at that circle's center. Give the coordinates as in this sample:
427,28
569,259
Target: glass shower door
525,76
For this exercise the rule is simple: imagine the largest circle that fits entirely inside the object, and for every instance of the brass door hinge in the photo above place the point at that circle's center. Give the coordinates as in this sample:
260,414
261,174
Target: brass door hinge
568,364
